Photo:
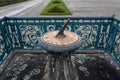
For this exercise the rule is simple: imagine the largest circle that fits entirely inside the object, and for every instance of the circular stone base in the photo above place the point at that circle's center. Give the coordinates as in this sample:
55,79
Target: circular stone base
50,43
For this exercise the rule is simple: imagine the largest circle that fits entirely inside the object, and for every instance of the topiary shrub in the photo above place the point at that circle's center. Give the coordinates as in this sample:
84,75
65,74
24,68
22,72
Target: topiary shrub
56,9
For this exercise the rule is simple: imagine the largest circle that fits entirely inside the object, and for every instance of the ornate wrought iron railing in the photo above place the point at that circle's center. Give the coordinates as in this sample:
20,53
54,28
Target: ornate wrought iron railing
98,33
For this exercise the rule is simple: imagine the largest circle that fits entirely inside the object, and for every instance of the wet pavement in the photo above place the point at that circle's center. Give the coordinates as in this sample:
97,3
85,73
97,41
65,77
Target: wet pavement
25,8
77,8
31,66
94,7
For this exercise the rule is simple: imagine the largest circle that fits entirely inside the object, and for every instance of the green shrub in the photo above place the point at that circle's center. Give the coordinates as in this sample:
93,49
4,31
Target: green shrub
56,7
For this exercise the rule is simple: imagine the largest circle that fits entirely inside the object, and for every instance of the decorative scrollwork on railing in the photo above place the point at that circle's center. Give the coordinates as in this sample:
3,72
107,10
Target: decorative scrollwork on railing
1,49
50,28
3,54
68,28
30,35
116,48
7,39
88,34
103,35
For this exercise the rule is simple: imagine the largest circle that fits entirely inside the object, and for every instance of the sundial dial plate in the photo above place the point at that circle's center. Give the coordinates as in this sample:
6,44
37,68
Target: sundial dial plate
69,39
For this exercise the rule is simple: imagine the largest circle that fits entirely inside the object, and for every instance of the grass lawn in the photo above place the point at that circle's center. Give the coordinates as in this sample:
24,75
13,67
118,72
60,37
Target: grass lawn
7,2
56,8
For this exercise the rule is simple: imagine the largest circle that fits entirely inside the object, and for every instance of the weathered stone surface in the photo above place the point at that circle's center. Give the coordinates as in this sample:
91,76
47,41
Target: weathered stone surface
31,66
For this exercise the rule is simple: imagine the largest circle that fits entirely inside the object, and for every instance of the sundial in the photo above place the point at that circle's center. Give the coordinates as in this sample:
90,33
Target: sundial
60,44
60,40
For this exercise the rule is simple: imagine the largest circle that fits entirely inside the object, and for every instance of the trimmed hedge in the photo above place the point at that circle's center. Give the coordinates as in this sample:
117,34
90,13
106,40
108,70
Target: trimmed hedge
56,7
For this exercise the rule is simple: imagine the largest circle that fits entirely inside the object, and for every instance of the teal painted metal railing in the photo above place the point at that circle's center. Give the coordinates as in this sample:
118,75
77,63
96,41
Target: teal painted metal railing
98,33
113,44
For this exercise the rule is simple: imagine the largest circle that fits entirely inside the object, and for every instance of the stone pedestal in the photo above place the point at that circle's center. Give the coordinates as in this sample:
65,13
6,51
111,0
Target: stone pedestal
60,67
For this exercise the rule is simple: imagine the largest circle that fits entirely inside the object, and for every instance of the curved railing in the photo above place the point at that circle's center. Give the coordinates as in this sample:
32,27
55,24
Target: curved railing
97,33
